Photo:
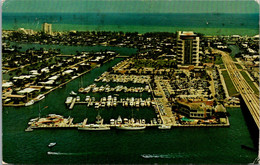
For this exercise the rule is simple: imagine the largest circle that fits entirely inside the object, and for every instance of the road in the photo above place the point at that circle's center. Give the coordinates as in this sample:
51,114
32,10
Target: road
242,86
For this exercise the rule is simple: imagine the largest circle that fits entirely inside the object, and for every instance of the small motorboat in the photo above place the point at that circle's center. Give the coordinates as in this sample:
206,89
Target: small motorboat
52,144
73,93
39,98
31,102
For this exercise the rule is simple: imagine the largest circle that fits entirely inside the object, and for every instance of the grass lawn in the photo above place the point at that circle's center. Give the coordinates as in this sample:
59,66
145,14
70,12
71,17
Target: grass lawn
235,50
218,60
230,86
244,74
222,66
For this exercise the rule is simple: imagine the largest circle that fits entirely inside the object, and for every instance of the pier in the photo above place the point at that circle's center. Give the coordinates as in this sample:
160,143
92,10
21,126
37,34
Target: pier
110,102
59,122
76,126
72,103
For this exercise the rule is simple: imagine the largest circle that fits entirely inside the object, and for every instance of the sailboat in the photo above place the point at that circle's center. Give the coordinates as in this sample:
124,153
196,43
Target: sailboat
81,89
94,127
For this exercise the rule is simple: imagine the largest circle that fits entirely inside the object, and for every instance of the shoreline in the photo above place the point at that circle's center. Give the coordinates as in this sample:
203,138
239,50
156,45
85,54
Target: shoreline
212,31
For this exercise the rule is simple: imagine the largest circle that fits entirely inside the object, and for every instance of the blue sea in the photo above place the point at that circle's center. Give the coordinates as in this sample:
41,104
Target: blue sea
210,24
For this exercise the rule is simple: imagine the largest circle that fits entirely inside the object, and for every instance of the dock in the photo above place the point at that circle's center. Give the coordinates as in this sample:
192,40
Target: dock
72,103
58,122
113,102
75,126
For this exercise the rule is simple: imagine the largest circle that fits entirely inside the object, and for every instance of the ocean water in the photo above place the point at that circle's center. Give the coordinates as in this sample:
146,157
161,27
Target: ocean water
210,24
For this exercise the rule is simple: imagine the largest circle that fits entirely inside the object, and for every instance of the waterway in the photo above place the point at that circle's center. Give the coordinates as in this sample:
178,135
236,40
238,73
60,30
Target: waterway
179,145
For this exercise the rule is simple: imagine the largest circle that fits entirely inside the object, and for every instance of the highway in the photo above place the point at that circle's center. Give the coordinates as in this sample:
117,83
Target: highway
247,93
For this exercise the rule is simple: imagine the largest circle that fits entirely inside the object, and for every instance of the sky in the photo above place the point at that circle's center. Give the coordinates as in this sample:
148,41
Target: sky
130,6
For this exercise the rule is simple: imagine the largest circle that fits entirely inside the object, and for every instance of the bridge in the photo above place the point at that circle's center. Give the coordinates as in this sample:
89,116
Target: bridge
249,96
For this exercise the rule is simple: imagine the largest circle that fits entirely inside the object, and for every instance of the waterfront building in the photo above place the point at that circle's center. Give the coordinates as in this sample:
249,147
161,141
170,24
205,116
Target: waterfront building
47,28
187,48
196,110
26,31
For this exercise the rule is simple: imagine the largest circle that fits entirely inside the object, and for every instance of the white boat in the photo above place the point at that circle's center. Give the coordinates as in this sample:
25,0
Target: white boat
119,120
130,127
112,121
86,90
142,103
103,104
94,127
31,102
87,98
108,103
52,144
77,98
73,93
143,121
97,105
125,121
93,99
99,119
68,100
164,127
39,98
32,121
109,98
81,89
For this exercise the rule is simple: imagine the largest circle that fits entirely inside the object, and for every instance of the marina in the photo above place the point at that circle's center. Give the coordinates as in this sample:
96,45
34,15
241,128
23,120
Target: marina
109,102
142,84
81,111
119,88
59,122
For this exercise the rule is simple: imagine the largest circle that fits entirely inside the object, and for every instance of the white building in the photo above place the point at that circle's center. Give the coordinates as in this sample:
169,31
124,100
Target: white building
187,48
47,28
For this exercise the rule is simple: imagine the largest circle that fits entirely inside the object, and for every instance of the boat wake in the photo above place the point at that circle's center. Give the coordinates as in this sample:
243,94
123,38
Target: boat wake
161,156
62,153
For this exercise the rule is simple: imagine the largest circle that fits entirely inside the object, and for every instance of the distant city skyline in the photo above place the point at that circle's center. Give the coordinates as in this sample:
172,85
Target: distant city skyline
129,6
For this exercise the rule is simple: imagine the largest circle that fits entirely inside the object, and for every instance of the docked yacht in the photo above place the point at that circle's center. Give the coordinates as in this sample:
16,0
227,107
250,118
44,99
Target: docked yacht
87,99
130,127
94,127
112,121
164,127
81,90
119,120
87,90
73,93
97,105
68,100
39,98
31,102
78,99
